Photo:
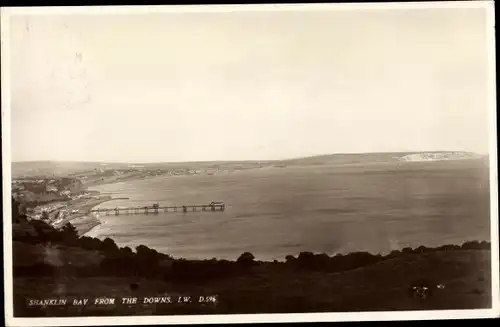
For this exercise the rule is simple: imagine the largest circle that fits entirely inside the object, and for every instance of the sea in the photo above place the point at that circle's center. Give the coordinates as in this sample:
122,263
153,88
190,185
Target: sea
273,212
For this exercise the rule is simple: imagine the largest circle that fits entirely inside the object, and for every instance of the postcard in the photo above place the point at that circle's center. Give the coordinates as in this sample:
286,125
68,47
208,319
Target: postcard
249,163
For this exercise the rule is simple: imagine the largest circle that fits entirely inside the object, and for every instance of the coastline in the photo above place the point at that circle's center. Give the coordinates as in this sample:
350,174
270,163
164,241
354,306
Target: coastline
84,222
85,227
412,158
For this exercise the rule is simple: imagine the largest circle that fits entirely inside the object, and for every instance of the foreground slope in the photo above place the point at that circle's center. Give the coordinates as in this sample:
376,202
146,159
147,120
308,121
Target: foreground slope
264,287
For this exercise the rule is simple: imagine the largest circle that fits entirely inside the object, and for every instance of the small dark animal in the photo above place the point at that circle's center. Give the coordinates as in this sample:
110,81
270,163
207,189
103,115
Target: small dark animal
422,289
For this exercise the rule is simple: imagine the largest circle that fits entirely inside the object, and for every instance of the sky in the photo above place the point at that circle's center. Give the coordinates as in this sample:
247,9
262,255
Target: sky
247,85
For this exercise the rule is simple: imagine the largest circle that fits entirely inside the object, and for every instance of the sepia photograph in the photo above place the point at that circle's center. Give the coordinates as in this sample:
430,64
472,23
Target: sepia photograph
249,163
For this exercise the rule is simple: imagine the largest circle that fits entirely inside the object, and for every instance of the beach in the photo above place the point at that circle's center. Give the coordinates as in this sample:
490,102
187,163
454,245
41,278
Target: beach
83,221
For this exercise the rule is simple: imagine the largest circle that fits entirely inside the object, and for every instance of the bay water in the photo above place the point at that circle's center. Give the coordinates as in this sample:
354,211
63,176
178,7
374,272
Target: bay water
273,212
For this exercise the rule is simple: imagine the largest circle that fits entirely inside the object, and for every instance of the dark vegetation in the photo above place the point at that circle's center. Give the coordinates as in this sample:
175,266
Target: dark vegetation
32,199
33,193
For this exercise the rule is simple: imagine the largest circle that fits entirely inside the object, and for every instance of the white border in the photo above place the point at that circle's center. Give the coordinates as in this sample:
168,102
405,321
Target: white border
493,156
6,166
148,9
250,318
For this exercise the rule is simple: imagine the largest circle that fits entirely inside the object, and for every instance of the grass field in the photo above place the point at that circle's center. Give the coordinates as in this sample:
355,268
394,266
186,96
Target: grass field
275,288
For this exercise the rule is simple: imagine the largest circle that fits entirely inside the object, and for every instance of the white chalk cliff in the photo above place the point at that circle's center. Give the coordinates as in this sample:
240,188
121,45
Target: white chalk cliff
436,156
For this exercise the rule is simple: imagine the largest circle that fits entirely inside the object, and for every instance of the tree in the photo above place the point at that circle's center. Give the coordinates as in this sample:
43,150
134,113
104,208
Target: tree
147,255
109,246
16,215
69,234
90,243
471,245
305,259
290,258
45,215
148,260
407,250
45,232
246,259
69,229
126,251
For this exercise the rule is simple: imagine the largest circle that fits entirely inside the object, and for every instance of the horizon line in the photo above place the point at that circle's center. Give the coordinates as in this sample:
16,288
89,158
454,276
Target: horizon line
245,160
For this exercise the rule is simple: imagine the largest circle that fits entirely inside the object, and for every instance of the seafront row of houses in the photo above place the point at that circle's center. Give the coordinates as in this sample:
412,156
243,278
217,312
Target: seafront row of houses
48,199
50,212
114,174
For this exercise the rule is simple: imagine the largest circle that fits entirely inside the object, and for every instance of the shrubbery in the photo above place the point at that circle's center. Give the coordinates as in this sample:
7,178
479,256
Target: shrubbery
475,245
339,262
246,260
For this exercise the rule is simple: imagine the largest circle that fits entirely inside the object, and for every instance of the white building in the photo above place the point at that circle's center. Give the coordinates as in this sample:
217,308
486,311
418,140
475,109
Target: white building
51,188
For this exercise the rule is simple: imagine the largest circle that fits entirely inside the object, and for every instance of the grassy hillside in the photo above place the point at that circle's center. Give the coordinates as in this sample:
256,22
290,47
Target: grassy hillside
281,288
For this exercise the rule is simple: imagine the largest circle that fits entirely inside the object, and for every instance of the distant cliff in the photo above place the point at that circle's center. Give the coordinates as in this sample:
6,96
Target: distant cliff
436,156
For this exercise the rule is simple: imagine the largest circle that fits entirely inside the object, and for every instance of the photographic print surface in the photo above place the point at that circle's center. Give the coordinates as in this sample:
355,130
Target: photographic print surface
229,160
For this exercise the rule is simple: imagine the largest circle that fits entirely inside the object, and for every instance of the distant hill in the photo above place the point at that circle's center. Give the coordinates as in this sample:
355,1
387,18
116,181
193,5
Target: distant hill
353,158
57,168
67,168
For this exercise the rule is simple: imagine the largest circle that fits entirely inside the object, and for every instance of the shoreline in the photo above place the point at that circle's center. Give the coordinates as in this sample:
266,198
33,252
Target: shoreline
94,221
292,164
88,226
88,221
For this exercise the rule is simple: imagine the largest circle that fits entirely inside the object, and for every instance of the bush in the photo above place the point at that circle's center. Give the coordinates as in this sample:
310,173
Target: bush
448,247
407,250
18,212
246,259
422,249
353,260
45,233
290,259
476,245
126,252
109,246
90,243
485,245
316,261
69,235
393,254
305,259
308,260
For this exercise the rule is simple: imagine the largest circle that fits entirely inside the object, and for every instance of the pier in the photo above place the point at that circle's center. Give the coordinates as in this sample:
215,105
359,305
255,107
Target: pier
155,209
